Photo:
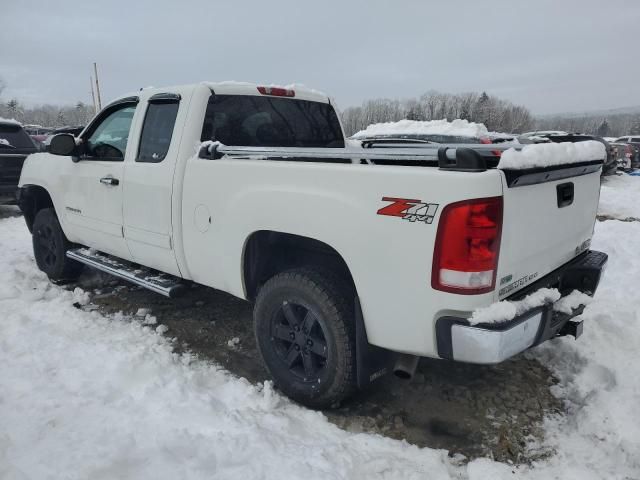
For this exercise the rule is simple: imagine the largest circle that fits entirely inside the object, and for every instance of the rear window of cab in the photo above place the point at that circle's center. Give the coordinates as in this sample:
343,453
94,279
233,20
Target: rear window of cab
253,121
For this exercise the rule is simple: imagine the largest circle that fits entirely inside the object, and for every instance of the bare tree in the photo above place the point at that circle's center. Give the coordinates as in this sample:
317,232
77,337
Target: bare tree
496,114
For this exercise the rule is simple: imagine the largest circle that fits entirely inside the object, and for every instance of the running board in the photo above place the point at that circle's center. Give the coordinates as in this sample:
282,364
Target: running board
153,280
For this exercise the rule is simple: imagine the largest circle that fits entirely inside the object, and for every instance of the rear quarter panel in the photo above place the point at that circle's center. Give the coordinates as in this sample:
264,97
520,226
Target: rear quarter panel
389,257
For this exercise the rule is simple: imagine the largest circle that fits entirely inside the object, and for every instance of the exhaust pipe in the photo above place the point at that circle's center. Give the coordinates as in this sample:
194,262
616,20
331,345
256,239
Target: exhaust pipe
405,366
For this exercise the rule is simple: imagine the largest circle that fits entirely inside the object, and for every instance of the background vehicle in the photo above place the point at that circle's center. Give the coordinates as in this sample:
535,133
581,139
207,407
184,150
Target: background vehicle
633,150
354,267
626,155
37,132
433,131
15,145
610,165
632,139
542,133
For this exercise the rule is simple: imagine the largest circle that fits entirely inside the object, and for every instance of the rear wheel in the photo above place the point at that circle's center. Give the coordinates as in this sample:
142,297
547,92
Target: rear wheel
50,247
304,330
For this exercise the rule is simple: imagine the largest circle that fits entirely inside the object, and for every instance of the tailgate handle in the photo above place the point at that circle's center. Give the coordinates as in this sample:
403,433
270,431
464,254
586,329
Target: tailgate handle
565,194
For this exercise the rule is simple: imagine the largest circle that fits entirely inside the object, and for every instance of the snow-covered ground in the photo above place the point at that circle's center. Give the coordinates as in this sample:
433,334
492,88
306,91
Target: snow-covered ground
87,396
620,197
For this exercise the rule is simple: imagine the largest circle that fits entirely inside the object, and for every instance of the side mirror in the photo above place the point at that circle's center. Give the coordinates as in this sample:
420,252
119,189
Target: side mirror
63,144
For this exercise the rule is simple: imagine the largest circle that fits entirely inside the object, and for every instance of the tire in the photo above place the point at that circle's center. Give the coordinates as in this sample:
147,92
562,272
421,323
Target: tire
305,333
50,247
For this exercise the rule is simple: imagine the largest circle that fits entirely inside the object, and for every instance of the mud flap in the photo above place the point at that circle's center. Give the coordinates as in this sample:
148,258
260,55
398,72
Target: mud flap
372,362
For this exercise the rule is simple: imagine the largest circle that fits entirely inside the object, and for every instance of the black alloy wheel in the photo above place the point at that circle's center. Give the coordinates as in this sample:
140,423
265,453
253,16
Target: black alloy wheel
299,341
50,247
305,333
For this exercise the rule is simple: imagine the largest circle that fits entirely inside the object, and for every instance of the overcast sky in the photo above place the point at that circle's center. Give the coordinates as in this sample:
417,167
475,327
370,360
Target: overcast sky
552,56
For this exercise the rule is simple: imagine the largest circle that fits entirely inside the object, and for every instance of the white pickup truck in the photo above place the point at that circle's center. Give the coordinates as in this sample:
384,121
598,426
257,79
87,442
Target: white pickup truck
358,260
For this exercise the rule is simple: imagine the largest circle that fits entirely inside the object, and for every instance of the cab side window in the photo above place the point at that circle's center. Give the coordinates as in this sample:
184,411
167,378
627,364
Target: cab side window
108,138
157,131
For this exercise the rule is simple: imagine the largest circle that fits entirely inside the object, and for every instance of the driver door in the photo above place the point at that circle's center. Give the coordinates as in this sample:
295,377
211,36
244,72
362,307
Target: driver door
93,186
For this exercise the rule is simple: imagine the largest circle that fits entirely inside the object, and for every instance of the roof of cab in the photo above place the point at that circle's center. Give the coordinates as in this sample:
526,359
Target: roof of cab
245,88
233,88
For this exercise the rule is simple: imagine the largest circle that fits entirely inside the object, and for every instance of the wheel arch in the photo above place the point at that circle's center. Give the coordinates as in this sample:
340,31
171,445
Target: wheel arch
32,199
268,252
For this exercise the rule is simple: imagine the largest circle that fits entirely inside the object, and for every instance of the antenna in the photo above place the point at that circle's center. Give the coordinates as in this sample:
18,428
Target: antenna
93,95
95,71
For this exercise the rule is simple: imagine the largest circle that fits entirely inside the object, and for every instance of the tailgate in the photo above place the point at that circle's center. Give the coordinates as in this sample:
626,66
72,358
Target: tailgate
545,224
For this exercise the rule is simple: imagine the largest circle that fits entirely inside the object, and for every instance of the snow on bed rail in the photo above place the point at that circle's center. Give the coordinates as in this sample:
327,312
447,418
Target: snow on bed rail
434,127
506,310
549,154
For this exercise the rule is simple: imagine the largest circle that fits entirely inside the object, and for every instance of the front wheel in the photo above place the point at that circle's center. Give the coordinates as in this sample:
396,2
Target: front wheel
304,331
50,247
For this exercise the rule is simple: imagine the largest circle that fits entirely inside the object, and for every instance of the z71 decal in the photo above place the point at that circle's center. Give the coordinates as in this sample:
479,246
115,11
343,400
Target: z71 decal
407,209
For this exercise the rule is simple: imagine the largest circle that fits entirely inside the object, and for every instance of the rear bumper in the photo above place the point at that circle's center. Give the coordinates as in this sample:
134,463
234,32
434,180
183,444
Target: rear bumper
493,343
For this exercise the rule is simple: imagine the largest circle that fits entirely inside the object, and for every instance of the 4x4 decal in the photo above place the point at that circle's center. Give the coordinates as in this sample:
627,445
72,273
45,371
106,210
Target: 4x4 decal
408,209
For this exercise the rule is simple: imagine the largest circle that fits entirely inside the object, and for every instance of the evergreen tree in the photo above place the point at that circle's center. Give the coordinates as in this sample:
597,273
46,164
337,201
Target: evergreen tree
603,129
13,106
482,112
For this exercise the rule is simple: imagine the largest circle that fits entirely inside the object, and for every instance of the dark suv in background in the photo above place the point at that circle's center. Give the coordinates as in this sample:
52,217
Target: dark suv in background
15,145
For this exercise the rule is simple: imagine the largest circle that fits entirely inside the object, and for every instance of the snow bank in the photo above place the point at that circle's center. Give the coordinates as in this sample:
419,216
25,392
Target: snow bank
434,127
549,154
84,396
600,437
620,197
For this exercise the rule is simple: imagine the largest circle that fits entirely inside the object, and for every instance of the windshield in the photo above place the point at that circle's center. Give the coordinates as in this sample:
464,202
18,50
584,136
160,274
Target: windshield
14,136
252,121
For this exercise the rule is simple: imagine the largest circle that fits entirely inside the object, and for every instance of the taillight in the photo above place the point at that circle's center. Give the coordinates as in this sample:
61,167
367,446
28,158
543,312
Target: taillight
487,141
465,258
277,91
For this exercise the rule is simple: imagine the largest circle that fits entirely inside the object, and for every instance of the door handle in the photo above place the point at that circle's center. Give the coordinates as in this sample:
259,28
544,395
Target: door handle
109,181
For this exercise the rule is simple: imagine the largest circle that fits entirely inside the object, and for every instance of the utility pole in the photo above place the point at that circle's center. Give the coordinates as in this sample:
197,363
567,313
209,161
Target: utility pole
93,95
95,71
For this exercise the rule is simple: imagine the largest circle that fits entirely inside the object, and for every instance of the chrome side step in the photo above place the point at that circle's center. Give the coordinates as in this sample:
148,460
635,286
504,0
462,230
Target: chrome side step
153,280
